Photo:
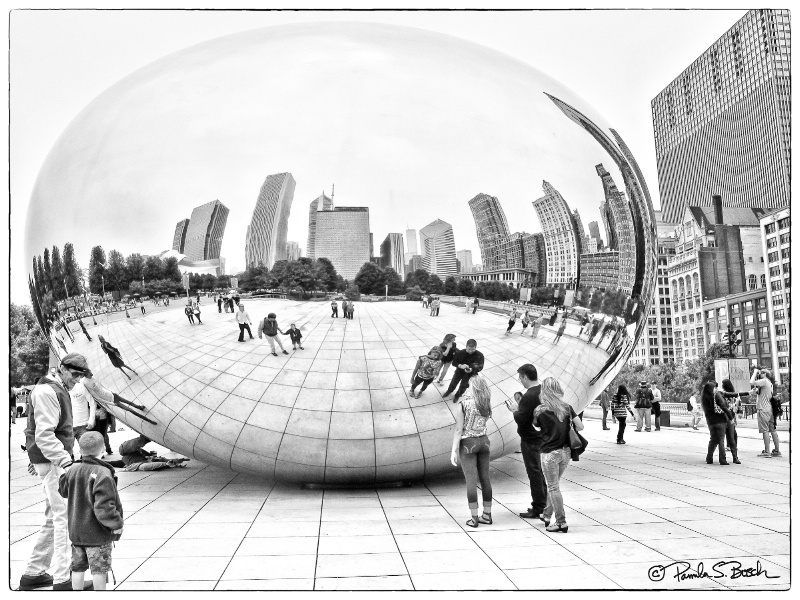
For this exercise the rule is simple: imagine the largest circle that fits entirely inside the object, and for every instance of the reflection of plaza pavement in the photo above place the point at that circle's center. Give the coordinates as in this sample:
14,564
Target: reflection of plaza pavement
335,411
650,502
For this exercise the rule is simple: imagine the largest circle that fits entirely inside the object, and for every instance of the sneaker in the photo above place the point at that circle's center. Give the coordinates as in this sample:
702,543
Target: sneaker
637,430
273,354
529,514
32,582
64,586
285,352
647,429
776,453
765,454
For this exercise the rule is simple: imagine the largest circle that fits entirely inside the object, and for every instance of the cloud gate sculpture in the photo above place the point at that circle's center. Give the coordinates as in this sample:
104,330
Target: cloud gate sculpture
399,108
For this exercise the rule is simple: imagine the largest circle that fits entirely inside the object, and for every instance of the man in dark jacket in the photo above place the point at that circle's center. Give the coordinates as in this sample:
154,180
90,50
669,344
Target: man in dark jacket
644,402
95,512
467,362
523,406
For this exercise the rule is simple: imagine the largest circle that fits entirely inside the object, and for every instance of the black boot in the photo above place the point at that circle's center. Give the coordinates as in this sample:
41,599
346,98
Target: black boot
709,459
735,454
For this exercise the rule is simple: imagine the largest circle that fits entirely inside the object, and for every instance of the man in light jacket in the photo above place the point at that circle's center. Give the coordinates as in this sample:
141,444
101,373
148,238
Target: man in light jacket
244,322
49,440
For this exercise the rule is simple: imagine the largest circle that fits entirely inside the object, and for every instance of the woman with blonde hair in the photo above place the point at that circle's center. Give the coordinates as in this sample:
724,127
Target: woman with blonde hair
471,446
554,417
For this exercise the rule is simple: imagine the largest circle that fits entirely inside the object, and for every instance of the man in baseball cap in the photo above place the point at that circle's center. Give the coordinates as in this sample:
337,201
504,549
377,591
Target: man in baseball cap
49,439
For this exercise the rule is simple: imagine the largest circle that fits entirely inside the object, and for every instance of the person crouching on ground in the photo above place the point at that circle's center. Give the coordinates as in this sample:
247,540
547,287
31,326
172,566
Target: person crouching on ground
94,514
716,413
471,447
294,335
555,417
269,326
136,458
426,369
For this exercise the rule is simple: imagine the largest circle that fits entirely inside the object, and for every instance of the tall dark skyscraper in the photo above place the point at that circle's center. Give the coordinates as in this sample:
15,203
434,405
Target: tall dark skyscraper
722,127
179,238
205,231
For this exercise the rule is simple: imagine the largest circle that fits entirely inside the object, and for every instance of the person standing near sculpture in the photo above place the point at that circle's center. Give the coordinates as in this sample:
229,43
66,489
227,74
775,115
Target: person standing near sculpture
530,439
656,406
605,405
766,425
49,440
644,402
475,305
334,309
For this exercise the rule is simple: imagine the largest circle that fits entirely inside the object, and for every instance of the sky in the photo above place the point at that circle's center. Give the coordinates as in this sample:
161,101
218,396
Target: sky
60,61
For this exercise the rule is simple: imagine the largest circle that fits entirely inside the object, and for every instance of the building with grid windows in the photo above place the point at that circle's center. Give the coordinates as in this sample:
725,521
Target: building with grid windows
616,203
292,251
320,203
594,234
714,257
439,246
342,236
265,241
464,258
775,228
515,278
392,253
581,232
414,263
559,230
179,238
723,125
205,231
493,233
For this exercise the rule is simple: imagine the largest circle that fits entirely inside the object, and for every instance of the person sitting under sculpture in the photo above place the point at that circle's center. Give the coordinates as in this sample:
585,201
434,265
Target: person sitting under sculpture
136,458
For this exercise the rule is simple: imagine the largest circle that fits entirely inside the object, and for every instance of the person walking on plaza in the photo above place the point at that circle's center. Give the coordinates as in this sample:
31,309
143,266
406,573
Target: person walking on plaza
295,335
468,303
436,304
141,306
620,407
189,314
344,308
49,440
115,357
426,369
731,437
468,362
555,418
561,329
196,312
424,301
553,317
644,402
448,348
716,411
351,309
512,319
475,305
219,303
432,306
766,425
696,411
595,328
526,320
243,319
523,407
269,326
471,447
605,405
95,518
334,309
83,327
656,406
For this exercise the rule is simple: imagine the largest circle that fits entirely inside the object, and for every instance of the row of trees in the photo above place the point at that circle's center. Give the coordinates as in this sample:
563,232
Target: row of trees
57,276
29,352
303,275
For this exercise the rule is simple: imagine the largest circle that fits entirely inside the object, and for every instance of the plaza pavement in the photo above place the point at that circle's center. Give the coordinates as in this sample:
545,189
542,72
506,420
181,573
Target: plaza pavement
630,508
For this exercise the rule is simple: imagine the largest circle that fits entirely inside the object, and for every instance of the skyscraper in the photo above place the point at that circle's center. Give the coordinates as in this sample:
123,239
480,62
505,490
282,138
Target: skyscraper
392,253
625,242
492,228
581,232
179,238
594,233
320,203
292,251
411,241
723,125
465,258
265,241
205,231
342,236
559,231
775,230
440,249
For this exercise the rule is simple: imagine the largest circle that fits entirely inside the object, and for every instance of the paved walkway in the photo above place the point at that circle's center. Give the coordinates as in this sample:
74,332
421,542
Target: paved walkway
630,508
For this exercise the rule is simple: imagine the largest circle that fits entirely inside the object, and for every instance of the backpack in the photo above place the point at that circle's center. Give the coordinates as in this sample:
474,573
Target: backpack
688,406
643,399
775,404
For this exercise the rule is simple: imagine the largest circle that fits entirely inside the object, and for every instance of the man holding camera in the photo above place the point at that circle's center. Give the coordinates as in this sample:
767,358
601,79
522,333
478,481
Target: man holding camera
766,424
468,362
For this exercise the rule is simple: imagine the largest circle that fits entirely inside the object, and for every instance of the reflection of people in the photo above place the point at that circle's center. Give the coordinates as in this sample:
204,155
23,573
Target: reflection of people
115,357
49,441
426,369
136,458
448,349
86,333
468,362
471,447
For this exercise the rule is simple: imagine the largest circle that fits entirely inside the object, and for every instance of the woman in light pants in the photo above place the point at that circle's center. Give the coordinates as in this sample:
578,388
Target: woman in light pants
555,417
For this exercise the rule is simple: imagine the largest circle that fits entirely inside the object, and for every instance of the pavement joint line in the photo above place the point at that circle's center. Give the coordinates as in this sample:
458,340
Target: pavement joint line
394,539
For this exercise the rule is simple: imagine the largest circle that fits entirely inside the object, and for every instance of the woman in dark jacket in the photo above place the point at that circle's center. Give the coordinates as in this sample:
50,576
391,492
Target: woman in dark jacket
732,401
114,356
715,410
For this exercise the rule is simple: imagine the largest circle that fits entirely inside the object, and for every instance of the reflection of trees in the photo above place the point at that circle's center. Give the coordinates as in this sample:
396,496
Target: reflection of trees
97,269
466,287
29,351
302,274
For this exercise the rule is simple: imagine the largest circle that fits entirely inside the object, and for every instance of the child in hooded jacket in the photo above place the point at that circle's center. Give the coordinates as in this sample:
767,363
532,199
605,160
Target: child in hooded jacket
294,335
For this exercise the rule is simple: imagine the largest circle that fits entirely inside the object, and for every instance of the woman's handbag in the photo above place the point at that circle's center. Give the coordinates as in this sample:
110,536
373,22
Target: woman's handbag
577,442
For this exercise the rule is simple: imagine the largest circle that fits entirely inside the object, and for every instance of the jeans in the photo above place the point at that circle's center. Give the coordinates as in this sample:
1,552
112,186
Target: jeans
532,459
52,549
101,427
460,378
272,339
242,327
605,415
657,415
335,312
731,437
191,318
417,380
78,431
621,431
553,466
474,308
717,438
474,456
642,414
